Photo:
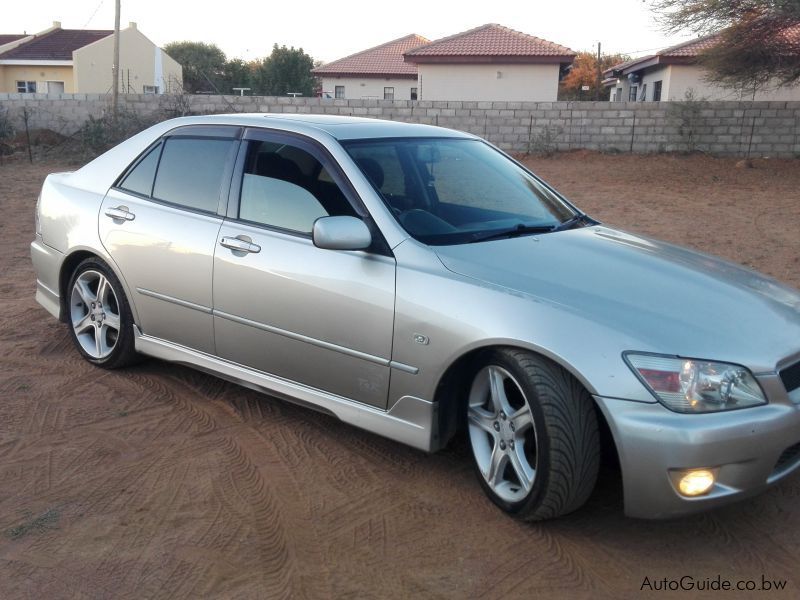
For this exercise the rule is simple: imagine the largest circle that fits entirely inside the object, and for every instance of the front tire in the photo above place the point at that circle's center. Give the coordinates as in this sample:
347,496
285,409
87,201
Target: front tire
99,316
534,435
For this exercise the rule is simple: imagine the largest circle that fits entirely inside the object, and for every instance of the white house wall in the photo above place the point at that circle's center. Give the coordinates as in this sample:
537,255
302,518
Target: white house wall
677,80
492,82
691,76
366,88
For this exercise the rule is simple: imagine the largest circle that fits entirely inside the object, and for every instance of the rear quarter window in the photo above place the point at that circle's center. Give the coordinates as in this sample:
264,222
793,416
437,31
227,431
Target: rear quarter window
140,179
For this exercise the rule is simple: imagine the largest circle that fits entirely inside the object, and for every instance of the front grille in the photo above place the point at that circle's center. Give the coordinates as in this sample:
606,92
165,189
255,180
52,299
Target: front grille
791,377
788,459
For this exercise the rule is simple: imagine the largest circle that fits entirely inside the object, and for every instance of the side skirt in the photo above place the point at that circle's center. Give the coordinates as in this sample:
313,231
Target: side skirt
410,421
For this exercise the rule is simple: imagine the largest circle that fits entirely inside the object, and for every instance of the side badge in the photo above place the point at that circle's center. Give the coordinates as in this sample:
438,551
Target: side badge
421,339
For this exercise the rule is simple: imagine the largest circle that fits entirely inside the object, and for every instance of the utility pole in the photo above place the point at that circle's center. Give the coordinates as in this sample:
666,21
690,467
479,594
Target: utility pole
115,64
598,83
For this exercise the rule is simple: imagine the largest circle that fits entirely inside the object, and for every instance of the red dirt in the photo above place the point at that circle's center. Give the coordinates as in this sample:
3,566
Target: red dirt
159,481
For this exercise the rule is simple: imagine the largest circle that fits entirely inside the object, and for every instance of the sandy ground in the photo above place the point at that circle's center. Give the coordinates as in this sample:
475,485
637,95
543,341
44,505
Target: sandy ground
159,481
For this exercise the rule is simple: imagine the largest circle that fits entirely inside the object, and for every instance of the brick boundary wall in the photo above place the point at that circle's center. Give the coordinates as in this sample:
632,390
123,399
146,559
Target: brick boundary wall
720,128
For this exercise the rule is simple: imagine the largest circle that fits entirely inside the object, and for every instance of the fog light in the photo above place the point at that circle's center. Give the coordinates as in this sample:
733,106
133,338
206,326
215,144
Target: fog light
696,483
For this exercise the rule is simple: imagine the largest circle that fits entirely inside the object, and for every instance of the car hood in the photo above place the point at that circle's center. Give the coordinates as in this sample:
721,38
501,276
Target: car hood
665,298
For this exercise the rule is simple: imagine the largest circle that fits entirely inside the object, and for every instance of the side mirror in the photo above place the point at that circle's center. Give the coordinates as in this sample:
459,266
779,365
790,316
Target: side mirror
341,233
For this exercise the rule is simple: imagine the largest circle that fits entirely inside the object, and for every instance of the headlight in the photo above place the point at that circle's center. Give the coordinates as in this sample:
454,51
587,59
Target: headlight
696,386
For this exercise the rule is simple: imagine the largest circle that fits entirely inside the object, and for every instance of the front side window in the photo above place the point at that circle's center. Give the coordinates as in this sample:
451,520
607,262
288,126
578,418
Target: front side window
632,93
643,95
190,171
451,191
286,187
388,93
413,93
26,87
150,89
339,93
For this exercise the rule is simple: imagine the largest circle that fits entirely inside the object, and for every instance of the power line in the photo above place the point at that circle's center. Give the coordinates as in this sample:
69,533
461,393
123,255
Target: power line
93,14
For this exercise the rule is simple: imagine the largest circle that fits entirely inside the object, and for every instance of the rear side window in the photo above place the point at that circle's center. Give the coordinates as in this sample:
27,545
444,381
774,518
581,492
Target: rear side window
140,178
190,172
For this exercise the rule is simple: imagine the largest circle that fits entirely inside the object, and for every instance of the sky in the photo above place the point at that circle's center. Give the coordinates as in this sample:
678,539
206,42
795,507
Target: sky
331,29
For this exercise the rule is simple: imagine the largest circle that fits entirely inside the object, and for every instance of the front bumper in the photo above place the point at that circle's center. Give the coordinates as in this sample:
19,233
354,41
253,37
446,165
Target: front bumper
47,265
750,449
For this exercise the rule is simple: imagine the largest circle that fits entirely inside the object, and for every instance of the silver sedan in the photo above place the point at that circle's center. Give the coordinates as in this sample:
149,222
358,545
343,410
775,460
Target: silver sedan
417,282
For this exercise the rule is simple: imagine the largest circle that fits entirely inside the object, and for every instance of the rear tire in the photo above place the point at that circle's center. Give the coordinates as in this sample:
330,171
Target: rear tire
99,316
534,435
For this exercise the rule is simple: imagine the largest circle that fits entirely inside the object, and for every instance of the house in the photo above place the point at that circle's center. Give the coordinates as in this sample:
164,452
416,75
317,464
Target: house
674,72
378,72
79,61
490,62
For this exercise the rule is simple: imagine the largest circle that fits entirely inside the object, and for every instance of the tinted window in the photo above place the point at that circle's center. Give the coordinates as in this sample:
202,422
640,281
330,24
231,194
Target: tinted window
455,191
190,172
140,179
285,186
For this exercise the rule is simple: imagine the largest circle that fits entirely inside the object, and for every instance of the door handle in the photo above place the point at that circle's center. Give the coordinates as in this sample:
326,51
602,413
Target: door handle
121,212
241,244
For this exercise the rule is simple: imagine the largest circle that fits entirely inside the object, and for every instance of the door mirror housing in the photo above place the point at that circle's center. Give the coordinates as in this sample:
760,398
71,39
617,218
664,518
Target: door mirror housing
341,233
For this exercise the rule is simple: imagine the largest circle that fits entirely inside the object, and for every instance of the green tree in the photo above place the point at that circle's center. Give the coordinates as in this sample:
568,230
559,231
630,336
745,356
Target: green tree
584,72
204,65
238,74
757,44
285,71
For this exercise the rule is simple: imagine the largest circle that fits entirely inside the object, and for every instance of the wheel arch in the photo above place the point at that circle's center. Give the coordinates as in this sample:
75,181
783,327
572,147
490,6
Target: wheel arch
456,378
68,266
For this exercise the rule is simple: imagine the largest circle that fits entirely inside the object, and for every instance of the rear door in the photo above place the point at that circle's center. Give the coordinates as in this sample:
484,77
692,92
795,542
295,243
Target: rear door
323,318
160,222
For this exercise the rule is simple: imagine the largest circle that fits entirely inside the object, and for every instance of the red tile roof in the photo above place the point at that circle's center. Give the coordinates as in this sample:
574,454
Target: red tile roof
6,38
691,48
380,61
491,41
686,51
57,44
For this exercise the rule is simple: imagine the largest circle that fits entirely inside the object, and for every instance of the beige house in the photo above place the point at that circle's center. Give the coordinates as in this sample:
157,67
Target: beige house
377,73
79,61
488,63
673,73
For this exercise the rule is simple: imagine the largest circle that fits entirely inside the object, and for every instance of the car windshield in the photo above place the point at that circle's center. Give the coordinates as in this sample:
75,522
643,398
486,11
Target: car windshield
457,191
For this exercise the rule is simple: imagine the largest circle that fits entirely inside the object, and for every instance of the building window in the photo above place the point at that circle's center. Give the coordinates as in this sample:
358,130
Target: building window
657,91
388,93
643,95
55,87
150,89
26,87
632,93
339,93
413,93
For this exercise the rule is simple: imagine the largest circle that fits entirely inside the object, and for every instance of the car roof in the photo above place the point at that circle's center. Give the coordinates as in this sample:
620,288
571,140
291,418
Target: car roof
338,127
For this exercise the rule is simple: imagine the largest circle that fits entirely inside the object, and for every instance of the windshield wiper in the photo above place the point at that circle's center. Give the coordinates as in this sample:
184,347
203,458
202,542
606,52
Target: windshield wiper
522,229
515,231
570,223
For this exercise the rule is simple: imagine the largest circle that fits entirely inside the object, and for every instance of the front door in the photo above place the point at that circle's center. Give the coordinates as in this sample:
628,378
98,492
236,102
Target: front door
322,318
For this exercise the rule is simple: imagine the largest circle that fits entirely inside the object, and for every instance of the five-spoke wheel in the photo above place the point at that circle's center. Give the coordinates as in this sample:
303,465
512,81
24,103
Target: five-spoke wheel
502,433
533,432
99,316
94,314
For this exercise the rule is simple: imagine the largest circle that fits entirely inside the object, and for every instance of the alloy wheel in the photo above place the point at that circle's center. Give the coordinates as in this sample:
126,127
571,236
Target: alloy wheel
502,433
95,314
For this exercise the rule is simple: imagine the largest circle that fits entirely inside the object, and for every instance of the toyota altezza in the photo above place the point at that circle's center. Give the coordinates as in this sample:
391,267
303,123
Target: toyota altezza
416,281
